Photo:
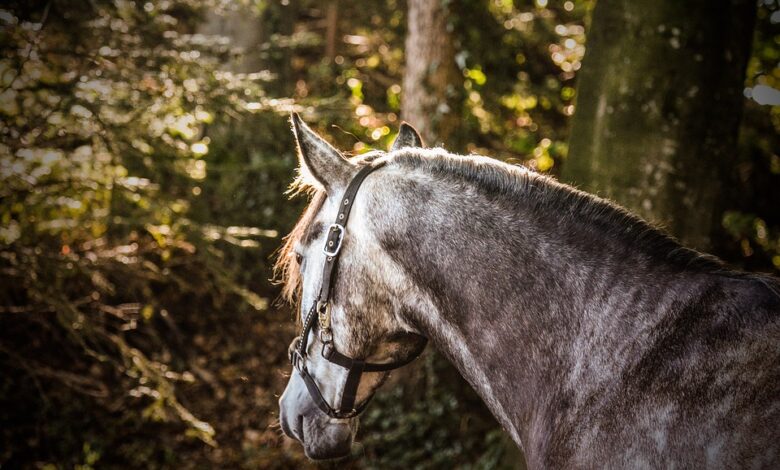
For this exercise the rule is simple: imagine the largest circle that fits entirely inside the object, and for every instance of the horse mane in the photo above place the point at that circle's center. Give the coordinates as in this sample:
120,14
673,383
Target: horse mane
286,269
499,180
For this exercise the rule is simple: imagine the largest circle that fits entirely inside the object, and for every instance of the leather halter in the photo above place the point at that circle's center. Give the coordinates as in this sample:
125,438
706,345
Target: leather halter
319,314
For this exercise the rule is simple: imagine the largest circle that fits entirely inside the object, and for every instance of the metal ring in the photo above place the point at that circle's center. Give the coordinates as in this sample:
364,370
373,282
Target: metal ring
326,336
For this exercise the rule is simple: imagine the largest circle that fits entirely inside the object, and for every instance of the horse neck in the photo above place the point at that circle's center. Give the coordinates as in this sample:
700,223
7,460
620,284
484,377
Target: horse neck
528,309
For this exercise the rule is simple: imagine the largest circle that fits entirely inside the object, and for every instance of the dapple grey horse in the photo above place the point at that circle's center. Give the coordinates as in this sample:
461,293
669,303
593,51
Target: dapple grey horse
596,340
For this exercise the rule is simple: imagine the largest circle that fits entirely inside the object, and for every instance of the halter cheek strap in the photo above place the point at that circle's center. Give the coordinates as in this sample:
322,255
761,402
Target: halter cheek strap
319,313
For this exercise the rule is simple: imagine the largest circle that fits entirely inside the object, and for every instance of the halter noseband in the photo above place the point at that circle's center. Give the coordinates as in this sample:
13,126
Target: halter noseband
320,313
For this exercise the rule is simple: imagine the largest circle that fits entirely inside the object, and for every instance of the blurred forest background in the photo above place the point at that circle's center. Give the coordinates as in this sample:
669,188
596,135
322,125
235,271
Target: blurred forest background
146,151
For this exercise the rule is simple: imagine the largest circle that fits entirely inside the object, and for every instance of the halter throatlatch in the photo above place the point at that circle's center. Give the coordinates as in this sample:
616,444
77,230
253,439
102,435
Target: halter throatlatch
319,314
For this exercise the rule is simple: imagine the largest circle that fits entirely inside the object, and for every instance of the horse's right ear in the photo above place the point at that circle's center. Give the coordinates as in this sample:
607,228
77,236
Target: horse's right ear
407,137
320,164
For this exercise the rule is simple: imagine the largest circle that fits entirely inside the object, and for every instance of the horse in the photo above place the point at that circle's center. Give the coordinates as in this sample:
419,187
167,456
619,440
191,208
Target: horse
595,339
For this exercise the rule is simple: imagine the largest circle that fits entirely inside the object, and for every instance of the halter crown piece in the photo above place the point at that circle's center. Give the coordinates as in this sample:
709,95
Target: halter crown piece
319,314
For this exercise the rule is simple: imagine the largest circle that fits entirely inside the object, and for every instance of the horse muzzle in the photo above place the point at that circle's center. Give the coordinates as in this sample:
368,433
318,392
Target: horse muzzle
322,437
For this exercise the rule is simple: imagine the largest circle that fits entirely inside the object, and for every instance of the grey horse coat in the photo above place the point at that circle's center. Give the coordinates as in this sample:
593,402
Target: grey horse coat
595,339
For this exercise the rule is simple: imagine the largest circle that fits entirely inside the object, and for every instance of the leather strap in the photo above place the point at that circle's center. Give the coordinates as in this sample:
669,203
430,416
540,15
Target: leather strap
308,324
336,235
346,362
351,385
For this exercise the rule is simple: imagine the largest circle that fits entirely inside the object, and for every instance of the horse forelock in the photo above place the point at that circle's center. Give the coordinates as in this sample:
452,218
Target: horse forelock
286,268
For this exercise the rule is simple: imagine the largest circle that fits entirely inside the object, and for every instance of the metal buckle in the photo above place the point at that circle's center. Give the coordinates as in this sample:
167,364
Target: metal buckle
323,312
334,251
326,337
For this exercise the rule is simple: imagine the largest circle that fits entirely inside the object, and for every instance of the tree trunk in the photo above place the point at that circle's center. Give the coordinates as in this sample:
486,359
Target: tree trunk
431,81
331,29
658,108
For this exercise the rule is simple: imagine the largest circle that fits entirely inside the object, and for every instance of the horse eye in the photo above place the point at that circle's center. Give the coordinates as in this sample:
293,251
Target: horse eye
299,258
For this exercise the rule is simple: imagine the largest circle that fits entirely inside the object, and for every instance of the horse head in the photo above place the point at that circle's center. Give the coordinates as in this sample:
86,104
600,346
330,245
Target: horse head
353,331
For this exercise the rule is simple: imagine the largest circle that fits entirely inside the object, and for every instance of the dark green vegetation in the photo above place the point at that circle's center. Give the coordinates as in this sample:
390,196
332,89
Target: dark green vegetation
144,160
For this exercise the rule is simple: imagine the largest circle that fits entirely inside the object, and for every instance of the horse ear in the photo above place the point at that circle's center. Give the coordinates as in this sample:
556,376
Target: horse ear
407,137
319,163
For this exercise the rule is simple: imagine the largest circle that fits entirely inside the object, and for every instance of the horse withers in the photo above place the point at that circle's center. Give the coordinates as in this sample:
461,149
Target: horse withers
596,340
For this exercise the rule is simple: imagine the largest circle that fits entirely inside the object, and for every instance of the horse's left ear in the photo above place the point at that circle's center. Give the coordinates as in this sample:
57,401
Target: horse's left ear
407,137
320,163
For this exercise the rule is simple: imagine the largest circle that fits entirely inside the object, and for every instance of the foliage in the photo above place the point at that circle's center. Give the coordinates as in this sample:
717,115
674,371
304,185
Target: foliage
752,221
516,109
520,93
105,109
